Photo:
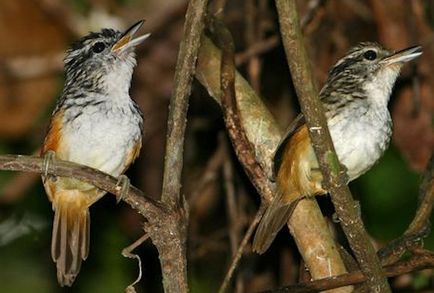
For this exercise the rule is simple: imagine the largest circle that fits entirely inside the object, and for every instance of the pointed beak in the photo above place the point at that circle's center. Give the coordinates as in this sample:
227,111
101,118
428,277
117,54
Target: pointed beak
403,56
126,40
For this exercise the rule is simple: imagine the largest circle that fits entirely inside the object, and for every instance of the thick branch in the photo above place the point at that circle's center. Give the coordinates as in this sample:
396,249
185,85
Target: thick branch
333,173
315,243
261,128
242,146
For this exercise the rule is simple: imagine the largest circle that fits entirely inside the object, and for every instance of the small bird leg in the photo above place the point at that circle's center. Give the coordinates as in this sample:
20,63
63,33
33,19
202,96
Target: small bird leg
123,184
48,159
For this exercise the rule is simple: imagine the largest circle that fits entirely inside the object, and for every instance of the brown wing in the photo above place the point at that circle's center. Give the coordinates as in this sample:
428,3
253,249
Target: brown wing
294,160
54,134
298,122
132,154
70,238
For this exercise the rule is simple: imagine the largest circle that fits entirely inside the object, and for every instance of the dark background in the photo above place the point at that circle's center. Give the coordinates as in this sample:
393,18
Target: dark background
33,36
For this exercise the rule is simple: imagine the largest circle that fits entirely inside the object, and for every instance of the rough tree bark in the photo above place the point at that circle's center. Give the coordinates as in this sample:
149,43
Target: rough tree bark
261,129
334,175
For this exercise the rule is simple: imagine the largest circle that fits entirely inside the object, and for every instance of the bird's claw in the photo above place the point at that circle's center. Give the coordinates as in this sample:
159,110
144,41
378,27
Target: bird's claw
124,184
48,159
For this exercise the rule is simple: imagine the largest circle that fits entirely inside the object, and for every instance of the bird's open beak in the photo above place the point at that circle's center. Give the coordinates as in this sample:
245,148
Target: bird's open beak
403,55
126,40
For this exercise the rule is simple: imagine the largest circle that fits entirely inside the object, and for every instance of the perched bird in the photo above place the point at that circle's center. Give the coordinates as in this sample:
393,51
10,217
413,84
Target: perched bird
95,123
355,98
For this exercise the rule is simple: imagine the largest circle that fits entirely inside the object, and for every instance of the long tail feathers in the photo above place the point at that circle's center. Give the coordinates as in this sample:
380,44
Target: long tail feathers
70,240
275,217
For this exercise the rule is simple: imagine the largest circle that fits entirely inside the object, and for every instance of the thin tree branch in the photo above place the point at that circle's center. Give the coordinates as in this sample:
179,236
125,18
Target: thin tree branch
232,207
154,211
241,248
257,48
185,69
209,173
423,214
170,240
313,7
242,146
251,36
333,173
418,261
231,203
150,208
128,252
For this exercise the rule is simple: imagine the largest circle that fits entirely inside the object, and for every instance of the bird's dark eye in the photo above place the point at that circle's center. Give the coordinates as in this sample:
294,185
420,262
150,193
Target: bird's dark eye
98,47
370,55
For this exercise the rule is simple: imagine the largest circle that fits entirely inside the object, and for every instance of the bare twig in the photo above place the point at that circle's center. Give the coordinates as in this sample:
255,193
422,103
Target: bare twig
333,173
185,67
251,36
262,46
423,214
209,173
172,245
313,7
257,48
242,146
315,242
241,248
231,204
127,252
232,207
418,261
145,205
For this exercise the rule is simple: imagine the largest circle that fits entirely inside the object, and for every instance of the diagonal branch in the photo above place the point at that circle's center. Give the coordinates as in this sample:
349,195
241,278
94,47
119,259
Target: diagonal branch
150,208
241,144
231,114
418,261
333,173
309,227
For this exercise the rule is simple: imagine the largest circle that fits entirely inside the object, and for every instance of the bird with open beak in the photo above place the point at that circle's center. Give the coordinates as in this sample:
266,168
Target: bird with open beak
97,124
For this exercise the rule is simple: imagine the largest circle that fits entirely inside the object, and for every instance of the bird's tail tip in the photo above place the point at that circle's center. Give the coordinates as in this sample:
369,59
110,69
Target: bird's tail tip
275,217
70,240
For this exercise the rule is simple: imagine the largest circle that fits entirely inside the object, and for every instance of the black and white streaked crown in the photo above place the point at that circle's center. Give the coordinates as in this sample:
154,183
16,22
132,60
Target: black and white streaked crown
99,53
366,63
